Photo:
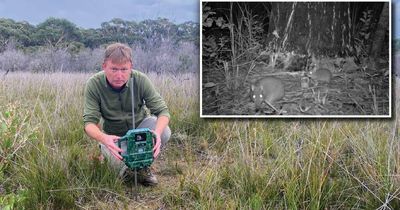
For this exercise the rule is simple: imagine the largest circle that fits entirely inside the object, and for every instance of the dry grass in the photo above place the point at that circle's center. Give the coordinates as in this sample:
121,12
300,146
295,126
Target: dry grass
209,164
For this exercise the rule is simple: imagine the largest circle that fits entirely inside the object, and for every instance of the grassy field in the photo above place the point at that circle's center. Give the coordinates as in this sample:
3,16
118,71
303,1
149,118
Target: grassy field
47,162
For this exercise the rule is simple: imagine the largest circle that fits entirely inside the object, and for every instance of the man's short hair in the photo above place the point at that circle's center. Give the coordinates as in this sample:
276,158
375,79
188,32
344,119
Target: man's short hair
118,53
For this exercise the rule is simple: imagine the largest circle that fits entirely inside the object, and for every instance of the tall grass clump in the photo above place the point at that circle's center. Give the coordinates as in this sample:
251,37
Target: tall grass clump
15,132
302,164
314,165
53,164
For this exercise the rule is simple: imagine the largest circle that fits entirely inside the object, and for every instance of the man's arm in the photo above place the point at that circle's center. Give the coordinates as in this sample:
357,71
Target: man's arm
161,124
91,117
93,131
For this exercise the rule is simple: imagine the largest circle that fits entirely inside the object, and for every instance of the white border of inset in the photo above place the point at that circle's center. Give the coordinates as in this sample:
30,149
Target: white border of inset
299,116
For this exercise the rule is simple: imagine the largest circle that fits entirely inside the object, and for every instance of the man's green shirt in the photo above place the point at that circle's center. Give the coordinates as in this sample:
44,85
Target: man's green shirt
115,106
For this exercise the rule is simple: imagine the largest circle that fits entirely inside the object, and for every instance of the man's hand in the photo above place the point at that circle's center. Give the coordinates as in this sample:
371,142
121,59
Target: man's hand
108,141
156,148
93,130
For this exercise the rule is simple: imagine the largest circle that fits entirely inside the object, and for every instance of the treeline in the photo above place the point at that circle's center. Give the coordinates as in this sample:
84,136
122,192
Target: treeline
61,32
59,45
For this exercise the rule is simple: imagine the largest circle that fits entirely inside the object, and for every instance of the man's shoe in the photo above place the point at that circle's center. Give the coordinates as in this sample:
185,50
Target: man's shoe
147,178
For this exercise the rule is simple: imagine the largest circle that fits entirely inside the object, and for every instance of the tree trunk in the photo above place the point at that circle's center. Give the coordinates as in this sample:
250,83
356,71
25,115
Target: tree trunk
379,38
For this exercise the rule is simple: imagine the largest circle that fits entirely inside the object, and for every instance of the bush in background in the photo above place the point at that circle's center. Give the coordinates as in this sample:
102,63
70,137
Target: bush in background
169,57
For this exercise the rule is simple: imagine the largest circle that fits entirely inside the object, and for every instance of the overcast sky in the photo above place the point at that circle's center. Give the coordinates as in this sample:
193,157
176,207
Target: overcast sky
91,13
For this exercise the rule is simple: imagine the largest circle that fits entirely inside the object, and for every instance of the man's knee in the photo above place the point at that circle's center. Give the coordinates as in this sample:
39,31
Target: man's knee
150,122
165,135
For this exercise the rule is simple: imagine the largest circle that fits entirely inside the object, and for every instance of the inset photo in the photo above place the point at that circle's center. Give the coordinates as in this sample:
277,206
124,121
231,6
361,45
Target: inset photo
295,59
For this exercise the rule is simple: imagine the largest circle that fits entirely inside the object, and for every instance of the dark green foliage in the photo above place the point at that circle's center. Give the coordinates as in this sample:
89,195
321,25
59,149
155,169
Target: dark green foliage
58,32
54,32
16,31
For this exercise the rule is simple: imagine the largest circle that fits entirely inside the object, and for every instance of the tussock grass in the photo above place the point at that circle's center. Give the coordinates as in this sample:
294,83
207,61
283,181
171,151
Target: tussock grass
208,164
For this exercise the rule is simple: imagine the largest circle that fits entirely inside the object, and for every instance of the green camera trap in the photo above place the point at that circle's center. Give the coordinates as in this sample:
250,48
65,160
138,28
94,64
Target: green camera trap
139,148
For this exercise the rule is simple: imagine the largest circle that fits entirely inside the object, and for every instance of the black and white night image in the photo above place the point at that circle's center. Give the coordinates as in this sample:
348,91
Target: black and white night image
296,59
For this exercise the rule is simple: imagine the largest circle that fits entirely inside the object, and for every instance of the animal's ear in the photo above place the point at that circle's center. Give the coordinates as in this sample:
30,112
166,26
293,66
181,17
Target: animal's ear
252,87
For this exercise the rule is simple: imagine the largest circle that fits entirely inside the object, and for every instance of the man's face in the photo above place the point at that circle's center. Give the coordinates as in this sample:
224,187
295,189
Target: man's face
117,74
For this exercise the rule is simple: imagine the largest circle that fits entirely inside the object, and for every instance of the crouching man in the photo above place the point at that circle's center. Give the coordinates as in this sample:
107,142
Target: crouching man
107,96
